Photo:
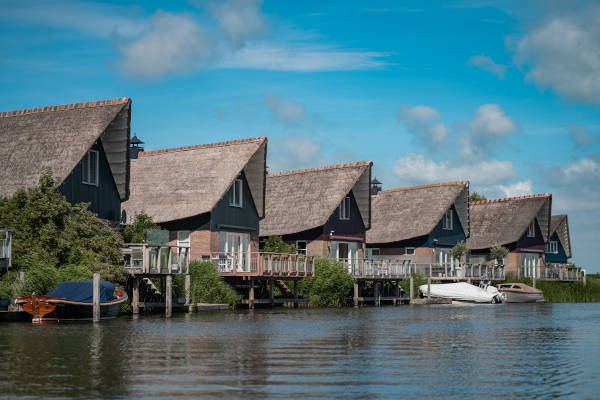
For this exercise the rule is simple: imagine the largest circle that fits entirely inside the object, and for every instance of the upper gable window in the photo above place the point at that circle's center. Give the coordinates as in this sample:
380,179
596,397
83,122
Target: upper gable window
90,168
531,229
447,221
235,194
552,247
345,208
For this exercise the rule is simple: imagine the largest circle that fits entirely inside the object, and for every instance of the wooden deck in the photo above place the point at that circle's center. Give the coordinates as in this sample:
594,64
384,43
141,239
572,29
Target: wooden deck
260,264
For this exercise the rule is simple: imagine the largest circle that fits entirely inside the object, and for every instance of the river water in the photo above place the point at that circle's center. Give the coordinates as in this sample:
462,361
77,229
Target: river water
487,351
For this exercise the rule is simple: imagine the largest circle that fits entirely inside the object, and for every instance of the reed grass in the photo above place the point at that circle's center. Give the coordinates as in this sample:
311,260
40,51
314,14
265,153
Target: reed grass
567,292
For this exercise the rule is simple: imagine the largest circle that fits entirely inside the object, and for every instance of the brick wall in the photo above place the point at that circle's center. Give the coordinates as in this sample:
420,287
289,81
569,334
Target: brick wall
318,248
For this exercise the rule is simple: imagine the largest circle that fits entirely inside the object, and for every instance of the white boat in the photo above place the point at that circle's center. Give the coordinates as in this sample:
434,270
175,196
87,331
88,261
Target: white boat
463,291
520,293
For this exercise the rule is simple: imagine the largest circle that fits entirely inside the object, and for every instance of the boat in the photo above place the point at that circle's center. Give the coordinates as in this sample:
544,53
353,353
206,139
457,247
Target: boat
520,293
73,301
464,292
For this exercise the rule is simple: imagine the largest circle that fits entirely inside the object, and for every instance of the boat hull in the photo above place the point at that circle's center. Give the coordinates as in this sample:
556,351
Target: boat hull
512,297
463,292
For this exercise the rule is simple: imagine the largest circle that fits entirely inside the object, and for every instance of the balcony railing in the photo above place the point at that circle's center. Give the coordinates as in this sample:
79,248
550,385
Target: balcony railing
561,272
5,248
263,264
146,258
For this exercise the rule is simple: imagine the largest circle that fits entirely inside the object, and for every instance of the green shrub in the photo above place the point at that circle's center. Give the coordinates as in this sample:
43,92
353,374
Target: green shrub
74,273
207,286
136,232
41,279
10,285
275,244
331,286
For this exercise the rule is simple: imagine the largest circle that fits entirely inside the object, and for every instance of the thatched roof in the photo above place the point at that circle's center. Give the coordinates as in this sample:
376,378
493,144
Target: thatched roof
178,183
305,199
560,225
400,214
57,138
504,221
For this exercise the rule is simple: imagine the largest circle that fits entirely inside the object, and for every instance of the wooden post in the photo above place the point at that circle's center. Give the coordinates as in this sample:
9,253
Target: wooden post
251,295
295,293
96,298
412,284
168,297
445,269
583,279
356,294
376,292
480,271
135,295
533,277
429,287
397,292
430,270
188,284
271,291
22,276
169,260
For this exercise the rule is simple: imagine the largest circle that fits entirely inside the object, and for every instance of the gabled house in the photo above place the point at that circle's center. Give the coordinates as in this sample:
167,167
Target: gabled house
521,224
420,224
209,197
85,145
558,247
321,211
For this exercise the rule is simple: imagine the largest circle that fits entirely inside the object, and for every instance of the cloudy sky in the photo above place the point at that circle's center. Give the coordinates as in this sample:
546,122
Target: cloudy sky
504,94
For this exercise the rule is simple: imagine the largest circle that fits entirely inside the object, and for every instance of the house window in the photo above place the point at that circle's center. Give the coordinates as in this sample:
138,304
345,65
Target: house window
552,247
301,246
531,229
447,222
235,199
345,208
183,238
409,251
90,168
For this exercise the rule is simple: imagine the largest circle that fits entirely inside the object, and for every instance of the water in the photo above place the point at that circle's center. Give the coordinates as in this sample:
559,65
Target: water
503,351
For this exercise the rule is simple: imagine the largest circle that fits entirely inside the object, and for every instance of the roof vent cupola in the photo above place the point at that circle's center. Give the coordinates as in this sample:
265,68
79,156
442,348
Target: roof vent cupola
135,147
375,187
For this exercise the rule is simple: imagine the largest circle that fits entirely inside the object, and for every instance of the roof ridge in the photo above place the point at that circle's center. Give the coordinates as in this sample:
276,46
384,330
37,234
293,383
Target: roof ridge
527,196
64,107
328,167
427,186
201,146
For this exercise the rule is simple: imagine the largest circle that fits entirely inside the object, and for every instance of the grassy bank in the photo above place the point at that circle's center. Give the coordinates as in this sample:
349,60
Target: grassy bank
566,292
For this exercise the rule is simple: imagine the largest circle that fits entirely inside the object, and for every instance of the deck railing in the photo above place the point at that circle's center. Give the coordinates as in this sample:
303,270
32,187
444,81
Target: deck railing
155,259
263,264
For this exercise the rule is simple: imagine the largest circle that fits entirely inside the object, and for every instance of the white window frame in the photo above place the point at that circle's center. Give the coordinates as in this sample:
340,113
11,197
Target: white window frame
552,247
345,209
301,251
447,223
86,161
183,243
406,251
237,190
531,229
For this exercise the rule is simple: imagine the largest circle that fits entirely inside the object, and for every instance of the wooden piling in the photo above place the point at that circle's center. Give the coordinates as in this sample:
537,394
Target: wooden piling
22,276
429,287
272,291
295,293
533,278
376,293
168,297
356,294
135,295
96,298
251,295
188,285
412,284
583,280
397,292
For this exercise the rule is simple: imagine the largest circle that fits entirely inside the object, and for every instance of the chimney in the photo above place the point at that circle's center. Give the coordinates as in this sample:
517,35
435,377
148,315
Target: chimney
375,187
135,147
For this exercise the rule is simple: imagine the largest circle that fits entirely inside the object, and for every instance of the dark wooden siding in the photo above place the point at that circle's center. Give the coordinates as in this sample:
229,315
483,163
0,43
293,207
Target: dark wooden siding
561,256
352,227
438,237
534,245
235,219
104,198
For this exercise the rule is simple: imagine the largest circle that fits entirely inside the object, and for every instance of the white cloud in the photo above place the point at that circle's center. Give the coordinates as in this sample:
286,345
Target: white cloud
416,169
517,189
423,121
581,137
286,110
563,52
240,19
489,125
294,152
581,172
486,63
172,43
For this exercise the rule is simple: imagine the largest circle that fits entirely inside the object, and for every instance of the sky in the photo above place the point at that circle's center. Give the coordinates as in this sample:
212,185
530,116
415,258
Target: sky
505,94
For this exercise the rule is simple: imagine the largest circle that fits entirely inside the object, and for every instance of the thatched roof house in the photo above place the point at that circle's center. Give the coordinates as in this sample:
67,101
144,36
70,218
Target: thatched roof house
410,212
182,182
558,248
59,138
505,221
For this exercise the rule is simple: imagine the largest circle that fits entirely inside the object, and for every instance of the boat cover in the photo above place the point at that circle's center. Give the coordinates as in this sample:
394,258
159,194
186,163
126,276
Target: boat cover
82,291
461,291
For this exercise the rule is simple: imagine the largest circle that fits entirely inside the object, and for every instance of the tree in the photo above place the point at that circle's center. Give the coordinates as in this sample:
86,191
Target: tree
459,250
136,232
275,244
498,253
331,286
55,241
477,197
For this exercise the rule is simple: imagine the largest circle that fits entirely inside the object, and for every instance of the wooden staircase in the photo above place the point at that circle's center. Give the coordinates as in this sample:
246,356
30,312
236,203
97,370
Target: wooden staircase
285,291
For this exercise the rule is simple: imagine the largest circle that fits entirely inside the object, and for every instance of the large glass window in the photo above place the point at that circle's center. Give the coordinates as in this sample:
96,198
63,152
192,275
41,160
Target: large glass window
90,168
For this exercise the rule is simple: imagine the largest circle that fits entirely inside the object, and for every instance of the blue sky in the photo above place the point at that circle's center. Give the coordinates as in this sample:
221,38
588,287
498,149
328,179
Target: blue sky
505,94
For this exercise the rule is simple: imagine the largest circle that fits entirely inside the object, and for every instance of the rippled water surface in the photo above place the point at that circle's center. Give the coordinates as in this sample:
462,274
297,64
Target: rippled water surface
504,351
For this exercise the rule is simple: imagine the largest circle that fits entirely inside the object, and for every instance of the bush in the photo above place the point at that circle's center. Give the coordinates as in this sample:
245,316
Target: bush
331,286
207,286
275,244
11,286
136,232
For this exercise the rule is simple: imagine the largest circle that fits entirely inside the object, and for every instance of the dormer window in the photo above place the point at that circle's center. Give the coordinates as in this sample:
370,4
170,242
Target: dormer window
447,221
345,208
90,168
235,197
531,229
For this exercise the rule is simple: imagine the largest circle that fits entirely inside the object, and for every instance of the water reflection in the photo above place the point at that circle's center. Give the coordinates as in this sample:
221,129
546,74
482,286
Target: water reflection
536,351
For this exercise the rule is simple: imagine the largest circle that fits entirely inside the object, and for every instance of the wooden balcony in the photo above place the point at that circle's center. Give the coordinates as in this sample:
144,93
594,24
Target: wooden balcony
259,264
5,248
149,259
